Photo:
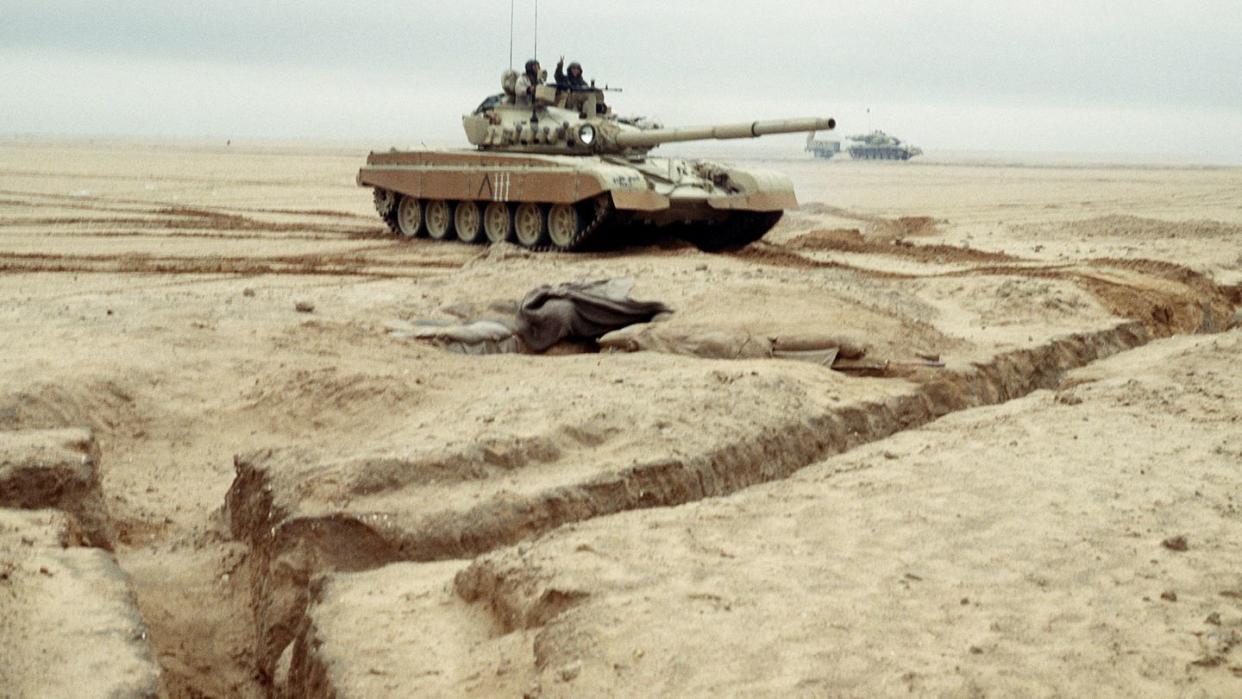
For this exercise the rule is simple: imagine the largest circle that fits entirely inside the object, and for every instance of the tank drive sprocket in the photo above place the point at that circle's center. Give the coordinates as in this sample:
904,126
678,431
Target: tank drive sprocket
386,207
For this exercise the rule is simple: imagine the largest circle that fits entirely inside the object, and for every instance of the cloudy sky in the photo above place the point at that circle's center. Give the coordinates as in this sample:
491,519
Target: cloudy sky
1091,76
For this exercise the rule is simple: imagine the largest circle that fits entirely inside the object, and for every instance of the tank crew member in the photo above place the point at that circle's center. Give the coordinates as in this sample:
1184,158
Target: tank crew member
572,80
527,82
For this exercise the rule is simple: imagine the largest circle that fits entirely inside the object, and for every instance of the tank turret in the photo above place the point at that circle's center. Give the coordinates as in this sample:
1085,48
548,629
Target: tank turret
558,169
579,122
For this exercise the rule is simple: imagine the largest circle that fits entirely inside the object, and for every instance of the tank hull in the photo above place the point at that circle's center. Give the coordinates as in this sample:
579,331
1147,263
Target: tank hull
722,206
881,153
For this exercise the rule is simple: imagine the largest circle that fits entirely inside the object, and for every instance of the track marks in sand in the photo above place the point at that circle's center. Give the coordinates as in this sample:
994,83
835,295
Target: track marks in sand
137,218
184,220
878,227
1132,228
356,265
779,256
851,240
217,220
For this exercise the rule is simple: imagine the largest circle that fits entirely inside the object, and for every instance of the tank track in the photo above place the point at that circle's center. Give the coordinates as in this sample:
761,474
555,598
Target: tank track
385,206
741,229
603,213
877,154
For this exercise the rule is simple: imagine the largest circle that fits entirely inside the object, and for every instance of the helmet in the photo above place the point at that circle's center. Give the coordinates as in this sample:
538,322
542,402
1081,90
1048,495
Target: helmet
531,65
574,65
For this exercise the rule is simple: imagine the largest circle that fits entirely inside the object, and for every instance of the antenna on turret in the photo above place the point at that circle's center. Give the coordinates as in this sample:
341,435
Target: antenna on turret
536,29
511,6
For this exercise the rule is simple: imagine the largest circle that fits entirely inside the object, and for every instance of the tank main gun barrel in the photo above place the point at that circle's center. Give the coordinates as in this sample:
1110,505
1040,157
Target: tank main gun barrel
753,129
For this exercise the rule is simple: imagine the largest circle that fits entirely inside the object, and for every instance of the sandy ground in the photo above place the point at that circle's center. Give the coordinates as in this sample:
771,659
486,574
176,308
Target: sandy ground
303,501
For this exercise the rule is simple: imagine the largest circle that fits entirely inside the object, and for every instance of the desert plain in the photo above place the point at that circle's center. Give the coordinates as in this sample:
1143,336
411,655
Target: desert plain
224,473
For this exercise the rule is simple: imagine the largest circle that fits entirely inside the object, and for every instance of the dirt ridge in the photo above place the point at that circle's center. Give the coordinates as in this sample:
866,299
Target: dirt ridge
288,553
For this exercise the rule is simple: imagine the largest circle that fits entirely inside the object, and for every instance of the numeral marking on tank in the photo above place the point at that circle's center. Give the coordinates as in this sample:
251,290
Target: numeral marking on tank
498,190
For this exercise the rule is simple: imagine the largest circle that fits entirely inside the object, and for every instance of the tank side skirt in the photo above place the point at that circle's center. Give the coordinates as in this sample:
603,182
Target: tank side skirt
549,186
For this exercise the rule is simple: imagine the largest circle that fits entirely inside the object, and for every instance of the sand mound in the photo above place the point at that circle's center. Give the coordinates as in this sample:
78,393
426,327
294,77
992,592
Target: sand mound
55,469
304,399
101,405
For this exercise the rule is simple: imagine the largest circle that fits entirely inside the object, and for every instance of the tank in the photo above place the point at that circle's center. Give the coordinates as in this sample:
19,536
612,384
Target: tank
822,148
559,170
878,145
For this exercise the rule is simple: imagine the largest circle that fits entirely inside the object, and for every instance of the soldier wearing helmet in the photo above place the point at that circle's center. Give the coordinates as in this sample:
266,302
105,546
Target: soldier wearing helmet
571,80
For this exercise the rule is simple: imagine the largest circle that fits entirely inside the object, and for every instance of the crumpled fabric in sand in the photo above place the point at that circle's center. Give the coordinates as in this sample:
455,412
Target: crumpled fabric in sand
580,311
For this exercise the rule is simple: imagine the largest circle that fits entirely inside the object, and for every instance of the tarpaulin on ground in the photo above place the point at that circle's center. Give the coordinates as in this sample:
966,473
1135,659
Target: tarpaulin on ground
580,311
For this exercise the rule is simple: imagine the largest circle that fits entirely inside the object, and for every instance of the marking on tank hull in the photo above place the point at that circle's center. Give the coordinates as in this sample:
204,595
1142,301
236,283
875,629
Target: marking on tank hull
498,191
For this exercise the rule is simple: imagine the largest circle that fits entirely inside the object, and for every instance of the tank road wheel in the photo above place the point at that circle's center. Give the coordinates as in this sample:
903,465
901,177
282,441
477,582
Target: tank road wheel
498,222
530,225
439,216
409,217
566,226
468,221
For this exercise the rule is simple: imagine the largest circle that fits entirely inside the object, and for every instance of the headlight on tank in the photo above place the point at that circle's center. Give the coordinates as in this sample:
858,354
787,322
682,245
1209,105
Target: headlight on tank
586,134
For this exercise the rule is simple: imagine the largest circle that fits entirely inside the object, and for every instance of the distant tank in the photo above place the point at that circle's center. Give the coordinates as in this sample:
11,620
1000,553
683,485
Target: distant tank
878,145
822,148
563,170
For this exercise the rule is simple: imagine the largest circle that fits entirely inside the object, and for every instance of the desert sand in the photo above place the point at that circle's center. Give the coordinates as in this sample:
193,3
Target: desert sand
305,503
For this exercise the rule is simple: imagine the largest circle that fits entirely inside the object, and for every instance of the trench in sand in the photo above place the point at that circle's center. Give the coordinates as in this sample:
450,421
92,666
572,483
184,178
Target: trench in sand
269,566
290,548
193,576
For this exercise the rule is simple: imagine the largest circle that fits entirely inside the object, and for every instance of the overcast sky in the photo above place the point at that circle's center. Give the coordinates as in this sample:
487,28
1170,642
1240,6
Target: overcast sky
1132,76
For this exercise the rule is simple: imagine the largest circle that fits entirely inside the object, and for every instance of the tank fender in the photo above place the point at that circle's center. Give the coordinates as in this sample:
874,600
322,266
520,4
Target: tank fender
756,181
629,189
759,190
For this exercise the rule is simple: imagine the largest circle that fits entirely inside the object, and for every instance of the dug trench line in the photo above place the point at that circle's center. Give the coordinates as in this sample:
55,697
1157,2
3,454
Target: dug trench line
288,550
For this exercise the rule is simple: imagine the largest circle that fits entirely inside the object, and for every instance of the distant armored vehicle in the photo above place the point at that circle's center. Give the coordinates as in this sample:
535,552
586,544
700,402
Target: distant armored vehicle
878,145
564,169
821,148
